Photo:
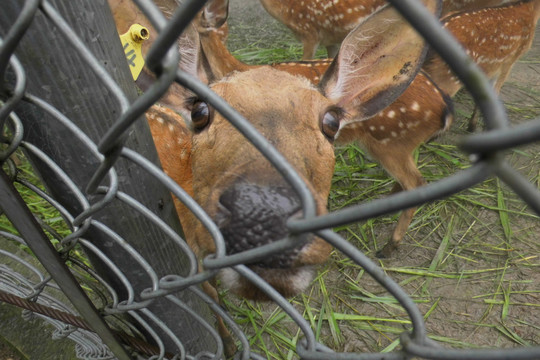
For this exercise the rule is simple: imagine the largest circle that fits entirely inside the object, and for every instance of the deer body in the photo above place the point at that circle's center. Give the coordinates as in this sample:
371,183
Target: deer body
419,115
324,22
495,38
327,22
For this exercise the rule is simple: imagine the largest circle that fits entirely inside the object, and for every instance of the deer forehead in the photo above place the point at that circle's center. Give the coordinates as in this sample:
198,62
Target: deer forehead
285,109
266,91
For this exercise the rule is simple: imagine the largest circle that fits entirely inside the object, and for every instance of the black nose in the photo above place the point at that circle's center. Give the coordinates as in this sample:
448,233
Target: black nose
251,216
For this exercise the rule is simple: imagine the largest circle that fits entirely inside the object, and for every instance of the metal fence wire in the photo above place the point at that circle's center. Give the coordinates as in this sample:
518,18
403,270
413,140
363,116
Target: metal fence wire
68,101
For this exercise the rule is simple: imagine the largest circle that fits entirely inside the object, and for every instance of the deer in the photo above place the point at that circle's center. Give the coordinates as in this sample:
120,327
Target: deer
321,22
232,181
279,104
327,22
422,113
495,38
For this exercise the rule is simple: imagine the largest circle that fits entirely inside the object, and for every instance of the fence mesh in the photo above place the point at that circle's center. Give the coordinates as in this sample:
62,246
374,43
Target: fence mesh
69,108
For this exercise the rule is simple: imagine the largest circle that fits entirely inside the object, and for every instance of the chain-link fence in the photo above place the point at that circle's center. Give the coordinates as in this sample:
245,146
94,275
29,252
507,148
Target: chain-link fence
69,103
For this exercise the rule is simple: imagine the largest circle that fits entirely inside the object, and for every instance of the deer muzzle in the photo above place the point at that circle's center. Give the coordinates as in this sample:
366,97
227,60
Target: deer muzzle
251,216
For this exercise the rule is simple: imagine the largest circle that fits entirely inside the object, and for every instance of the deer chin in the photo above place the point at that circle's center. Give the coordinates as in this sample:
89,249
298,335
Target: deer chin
288,282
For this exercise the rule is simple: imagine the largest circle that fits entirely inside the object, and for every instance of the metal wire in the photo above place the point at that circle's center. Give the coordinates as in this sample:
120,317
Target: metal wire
149,310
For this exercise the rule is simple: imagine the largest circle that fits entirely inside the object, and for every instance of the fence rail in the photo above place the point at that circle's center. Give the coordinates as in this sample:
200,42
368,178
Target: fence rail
68,102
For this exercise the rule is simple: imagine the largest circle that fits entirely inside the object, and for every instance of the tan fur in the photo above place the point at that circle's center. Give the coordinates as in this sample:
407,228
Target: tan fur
314,160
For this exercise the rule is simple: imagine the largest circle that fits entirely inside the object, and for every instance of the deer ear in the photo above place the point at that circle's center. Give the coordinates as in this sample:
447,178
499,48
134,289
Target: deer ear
214,14
376,62
126,13
191,62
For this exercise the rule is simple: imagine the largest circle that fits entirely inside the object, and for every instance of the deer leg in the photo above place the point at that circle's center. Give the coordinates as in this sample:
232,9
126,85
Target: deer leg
396,188
497,83
332,50
473,120
404,170
229,347
310,48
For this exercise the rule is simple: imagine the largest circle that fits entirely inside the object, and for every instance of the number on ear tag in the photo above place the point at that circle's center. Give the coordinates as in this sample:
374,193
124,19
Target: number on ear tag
132,43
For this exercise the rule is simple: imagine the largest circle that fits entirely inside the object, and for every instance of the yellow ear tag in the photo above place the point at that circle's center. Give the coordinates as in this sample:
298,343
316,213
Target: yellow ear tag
132,43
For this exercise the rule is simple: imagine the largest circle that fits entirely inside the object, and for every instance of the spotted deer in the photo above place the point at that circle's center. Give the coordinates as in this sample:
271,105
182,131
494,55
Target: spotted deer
419,115
247,198
324,22
495,38
327,22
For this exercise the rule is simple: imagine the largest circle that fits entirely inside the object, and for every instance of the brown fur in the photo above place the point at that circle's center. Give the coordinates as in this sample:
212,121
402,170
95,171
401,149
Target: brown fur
328,22
324,22
495,38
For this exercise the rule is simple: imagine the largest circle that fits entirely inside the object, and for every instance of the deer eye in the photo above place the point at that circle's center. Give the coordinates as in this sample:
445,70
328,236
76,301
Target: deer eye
200,115
330,123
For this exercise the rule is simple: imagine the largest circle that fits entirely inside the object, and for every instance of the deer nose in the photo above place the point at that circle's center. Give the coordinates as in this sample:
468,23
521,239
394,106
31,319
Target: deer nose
251,215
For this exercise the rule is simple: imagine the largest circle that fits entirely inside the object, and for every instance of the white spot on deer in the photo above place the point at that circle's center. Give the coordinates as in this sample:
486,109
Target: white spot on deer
391,114
415,106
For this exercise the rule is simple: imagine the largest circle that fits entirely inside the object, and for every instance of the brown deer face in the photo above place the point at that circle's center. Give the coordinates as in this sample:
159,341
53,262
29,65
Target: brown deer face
247,198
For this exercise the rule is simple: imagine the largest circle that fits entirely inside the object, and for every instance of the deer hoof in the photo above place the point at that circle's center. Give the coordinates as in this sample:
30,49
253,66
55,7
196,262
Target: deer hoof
386,251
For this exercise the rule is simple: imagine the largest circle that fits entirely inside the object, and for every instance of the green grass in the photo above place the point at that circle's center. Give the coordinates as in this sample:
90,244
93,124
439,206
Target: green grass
47,214
50,219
